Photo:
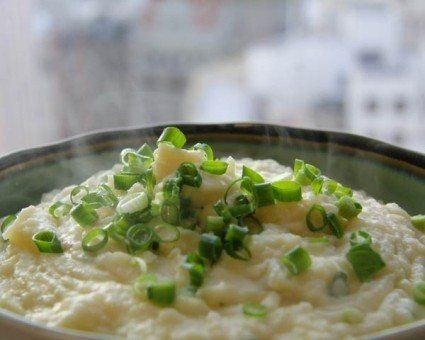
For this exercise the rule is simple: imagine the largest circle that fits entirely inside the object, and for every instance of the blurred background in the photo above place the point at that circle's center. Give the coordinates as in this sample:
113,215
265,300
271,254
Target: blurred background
71,66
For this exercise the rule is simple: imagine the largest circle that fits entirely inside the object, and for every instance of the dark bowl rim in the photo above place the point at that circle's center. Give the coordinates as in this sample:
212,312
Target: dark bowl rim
344,139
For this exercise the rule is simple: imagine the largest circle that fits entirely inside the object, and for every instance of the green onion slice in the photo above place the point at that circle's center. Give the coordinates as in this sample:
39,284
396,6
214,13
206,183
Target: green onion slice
338,286
365,261
125,180
317,184
95,240
329,186
196,273
348,207
162,293
209,153
108,195
76,192
172,187
419,293
243,206
264,194
146,151
214,167
287,191
296,260
223,210
190,175
237,251
170,212
305,173
318,240
47,242
418,222
132,203
59,209
173,136
252,174
234,242
7,221
142,282
360,237
335,225
167,233
229,189
194,257
298,165
253,224
84,214
254,309
316,218
210,247
343,191
215,224
352,315
135,162
140,237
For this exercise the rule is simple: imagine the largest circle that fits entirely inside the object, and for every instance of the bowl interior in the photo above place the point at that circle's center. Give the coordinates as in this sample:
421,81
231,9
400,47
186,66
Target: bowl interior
361,163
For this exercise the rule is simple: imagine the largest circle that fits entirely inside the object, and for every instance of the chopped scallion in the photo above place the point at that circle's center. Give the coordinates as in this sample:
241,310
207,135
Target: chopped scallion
132,203
264,194
296,260
365,261
360,237
418,222
47,242
287,191
253,224
173,136
348,207
170,212
190,175
419,293
214,167
140,237
125,180
59,209
316,218
95,240
252,174
76,193
335,225
209,153
8,220
162,293
84,214
254,309
210,247
338,286
215,224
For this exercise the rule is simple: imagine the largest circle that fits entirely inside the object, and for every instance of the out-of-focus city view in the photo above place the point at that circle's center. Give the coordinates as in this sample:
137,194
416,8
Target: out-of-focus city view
72,66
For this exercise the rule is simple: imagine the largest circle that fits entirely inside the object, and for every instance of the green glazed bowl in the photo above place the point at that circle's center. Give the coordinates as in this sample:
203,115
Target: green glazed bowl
384,171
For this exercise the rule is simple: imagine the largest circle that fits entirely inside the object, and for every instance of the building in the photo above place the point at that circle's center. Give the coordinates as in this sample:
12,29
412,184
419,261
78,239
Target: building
386,105
350,72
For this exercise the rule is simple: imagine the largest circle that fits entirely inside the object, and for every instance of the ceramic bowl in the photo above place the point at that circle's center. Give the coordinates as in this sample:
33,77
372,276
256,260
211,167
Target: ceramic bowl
384,171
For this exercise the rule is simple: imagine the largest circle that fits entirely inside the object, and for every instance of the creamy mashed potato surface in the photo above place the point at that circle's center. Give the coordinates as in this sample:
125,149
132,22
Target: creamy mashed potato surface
94,291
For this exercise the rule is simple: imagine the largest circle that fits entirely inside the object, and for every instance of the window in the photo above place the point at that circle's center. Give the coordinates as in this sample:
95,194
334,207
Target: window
370,59
371,106
400,105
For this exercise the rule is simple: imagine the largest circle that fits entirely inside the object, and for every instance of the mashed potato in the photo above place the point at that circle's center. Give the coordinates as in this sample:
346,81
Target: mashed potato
94,291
